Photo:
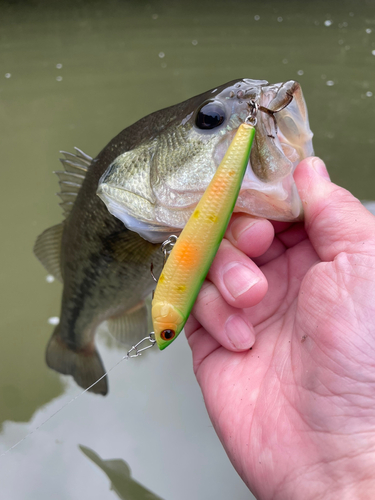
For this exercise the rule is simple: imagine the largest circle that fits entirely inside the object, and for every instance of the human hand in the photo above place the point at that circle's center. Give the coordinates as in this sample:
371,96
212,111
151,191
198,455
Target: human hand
296,413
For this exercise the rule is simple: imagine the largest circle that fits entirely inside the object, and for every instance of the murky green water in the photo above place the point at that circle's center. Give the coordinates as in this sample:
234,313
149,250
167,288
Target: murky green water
75,74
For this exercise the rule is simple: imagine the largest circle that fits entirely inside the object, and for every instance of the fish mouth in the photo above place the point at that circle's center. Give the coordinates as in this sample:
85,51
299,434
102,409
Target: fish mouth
283,138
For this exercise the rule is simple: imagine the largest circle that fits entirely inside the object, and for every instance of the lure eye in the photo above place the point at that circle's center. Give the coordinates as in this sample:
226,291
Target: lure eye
210,115
168,334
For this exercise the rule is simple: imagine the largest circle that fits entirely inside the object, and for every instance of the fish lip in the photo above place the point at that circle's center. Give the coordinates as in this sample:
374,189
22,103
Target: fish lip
148,227
107,189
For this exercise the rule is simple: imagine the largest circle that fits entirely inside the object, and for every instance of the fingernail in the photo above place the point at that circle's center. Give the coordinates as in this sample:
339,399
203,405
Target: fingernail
238,333
240,225
238,279
320,168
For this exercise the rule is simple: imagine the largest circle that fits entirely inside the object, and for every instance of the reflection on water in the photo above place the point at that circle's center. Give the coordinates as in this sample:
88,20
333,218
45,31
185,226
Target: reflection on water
75,74
153,417
118,473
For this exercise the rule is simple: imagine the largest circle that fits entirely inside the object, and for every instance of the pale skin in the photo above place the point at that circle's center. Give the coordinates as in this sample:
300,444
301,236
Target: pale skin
296,413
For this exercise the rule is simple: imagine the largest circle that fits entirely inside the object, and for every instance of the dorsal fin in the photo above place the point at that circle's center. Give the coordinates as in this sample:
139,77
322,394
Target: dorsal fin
72,177
67,207
69,187
47,248
67,196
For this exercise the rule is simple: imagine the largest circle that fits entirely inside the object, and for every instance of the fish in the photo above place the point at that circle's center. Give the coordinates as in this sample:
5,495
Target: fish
143,186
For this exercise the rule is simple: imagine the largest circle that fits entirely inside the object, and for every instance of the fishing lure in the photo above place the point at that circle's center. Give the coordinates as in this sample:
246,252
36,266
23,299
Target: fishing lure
192,255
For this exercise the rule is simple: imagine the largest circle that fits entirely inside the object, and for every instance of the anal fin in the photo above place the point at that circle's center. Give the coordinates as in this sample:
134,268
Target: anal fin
47,248
131,326
84,365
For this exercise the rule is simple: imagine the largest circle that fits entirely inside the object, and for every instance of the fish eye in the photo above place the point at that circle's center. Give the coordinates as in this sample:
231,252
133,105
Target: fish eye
168,334
210,115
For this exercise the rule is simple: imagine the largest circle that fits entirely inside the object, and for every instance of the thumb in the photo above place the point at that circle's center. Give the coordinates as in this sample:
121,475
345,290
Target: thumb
334,219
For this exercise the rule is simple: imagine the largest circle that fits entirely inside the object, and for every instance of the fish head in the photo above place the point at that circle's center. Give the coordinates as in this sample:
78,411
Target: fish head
154,187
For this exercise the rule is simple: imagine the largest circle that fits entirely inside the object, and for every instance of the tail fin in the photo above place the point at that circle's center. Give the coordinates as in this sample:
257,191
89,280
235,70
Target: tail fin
85,366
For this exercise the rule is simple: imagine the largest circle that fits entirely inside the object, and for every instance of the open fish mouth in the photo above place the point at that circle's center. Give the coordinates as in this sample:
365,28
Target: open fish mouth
154,187
283,138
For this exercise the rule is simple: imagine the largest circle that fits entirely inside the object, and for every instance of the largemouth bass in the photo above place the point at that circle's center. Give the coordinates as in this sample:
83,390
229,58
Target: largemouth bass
150,177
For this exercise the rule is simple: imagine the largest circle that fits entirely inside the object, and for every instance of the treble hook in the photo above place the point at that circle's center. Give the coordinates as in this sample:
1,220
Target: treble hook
166,247
270,113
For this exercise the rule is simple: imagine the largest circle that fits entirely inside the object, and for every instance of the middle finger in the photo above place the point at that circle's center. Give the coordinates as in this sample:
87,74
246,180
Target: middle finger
240,281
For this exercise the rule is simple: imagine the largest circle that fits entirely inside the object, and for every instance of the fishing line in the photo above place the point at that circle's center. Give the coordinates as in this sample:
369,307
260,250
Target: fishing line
127,356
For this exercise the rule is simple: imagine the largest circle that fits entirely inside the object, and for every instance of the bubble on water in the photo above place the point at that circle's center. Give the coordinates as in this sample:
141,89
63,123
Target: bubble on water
327,22
54,320
330,83
59,66
372,52
50,278
347,47
154,16
161,55
300,72
280,19
316,23
344,24
194,42
368,94
59,78
351,14
257,18
341,42
7,75
368,30
163,65
285,61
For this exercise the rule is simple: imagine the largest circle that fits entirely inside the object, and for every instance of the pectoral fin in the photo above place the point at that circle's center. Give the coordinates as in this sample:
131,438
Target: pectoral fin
47,248
131,326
